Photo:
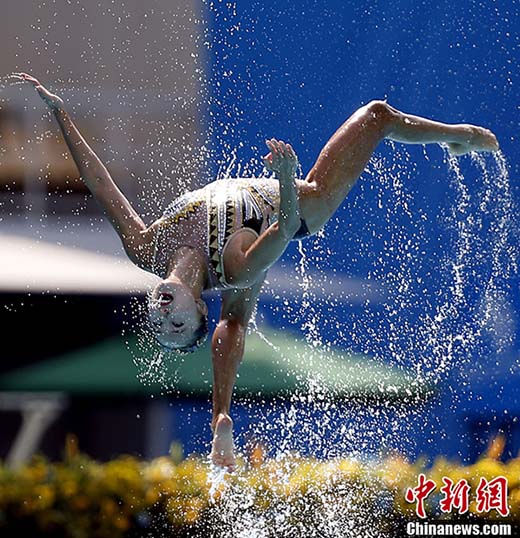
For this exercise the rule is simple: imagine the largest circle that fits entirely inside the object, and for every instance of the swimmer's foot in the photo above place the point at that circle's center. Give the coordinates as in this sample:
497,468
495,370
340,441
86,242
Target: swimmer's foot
222,447
478,139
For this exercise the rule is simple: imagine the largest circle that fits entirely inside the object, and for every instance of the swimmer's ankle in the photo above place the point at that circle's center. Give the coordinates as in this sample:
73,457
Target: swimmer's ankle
221,419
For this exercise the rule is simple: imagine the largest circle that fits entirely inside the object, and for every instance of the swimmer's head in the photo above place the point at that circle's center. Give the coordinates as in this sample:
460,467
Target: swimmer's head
178,319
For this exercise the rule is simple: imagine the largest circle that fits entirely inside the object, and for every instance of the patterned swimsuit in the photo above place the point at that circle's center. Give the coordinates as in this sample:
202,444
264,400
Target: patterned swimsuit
228,206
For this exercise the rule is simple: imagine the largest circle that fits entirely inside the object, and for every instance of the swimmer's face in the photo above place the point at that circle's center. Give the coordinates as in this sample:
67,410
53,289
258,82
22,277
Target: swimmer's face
175,314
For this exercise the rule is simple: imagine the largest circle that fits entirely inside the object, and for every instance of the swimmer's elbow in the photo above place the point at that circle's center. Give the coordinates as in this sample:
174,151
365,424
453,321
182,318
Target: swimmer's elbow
139,250
241,273
246,277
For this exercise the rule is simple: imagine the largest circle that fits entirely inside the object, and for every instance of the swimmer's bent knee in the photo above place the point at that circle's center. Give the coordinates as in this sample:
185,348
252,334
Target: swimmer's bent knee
379,112
377,107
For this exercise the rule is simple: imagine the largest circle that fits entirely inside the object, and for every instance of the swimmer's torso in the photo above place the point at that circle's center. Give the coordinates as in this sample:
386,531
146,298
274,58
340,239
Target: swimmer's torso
207,218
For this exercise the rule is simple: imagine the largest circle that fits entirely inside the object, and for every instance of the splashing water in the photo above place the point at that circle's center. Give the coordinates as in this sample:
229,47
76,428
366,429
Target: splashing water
466,313
482,262
216,479
504,253
446,337
451,325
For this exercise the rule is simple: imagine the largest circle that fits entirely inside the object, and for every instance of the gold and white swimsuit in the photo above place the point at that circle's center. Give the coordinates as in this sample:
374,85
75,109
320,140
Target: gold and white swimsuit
208,217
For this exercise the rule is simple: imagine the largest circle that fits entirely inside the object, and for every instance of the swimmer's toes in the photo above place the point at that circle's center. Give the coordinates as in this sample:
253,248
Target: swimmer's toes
479,139
483,140
229,465
224,462
217,460
493,142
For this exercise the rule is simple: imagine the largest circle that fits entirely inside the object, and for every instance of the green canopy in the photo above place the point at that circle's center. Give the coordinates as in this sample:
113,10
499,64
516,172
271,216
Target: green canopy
273,364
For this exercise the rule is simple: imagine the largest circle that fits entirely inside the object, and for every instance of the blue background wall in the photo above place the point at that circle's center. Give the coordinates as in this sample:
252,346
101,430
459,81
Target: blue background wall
296,72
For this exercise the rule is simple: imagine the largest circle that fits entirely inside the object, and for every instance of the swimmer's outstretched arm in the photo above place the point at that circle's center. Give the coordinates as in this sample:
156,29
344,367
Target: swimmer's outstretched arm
248,266
125,220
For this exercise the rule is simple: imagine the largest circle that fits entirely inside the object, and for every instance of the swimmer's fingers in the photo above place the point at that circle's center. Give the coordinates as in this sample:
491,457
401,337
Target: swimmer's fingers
26,78
289,159
282,158
291,152
285,150
281,152
53,101
268,162
273,146
280,146
293,156
274,156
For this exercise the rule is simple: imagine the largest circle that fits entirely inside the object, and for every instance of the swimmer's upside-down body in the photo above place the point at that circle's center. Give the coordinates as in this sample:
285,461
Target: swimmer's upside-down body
228,234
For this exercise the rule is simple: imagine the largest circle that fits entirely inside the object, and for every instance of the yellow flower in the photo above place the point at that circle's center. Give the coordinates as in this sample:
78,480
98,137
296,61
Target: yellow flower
109,508
69,487
122,523
487,468
160,469
45,496
151,496
80,502
192,510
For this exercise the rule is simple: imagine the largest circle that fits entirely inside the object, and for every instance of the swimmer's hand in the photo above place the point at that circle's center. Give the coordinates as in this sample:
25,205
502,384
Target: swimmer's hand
282,160
53,101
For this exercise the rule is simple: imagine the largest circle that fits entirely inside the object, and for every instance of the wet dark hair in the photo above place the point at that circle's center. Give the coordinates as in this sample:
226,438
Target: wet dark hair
200,335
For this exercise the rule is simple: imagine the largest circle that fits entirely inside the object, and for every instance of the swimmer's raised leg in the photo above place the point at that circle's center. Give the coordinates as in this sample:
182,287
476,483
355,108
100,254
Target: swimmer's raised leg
345,155
460,138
